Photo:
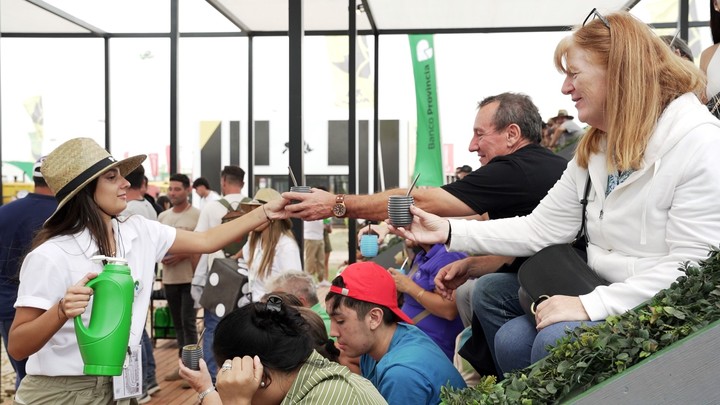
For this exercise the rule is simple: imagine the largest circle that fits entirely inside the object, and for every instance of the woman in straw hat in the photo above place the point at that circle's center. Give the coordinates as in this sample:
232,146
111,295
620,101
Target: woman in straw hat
91,192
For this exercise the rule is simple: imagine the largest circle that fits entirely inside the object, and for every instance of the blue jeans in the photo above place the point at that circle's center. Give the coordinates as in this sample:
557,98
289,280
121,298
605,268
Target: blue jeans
211,321
518,344
18,366
148,361
494,302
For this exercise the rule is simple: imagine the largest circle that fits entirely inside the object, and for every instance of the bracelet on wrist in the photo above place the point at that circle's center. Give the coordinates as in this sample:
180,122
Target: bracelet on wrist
266,215
61,310
205,393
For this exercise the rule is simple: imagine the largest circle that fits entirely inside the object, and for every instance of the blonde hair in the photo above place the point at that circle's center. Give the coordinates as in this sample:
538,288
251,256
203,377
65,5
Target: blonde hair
274,232
643,77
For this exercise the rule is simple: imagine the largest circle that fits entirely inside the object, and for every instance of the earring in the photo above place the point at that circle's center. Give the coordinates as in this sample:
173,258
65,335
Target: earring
262,384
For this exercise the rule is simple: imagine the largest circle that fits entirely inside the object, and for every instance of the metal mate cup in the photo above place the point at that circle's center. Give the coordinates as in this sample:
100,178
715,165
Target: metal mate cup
299,189
191,355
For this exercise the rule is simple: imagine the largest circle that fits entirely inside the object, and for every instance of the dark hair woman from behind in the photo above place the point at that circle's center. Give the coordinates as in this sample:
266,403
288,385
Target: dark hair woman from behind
267,356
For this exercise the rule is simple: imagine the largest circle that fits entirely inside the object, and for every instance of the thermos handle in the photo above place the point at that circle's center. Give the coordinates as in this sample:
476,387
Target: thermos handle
80,326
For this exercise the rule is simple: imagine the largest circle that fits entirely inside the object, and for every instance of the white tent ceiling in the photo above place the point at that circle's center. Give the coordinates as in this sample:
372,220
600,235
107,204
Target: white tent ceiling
101,17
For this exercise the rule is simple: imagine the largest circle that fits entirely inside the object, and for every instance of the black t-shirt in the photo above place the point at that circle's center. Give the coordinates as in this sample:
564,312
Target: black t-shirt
510,185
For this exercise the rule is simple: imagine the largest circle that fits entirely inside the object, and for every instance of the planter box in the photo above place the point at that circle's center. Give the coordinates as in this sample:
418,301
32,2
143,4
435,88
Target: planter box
686,372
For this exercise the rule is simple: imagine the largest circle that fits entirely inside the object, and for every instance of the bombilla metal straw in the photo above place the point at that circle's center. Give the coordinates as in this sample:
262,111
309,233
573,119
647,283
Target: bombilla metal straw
413,185
292,176
402,268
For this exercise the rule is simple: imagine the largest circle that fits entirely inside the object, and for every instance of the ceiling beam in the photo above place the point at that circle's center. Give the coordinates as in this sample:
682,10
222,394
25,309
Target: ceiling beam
70,18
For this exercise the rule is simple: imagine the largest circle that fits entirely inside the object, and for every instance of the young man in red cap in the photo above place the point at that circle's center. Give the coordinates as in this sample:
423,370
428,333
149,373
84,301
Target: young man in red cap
403,363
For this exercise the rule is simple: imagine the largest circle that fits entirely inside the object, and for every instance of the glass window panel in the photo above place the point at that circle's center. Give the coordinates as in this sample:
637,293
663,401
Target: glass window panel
212,86
60,81
140,101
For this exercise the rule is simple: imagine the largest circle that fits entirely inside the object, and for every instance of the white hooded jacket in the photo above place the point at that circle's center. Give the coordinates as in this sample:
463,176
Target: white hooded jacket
664,214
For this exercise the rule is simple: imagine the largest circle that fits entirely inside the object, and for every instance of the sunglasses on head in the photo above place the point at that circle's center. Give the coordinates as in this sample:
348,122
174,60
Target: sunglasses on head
596,14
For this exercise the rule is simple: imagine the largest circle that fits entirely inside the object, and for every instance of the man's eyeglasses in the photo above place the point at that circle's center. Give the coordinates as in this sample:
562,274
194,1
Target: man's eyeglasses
594,13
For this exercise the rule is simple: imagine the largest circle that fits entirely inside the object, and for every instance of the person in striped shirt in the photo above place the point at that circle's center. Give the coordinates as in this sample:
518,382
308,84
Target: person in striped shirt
268,358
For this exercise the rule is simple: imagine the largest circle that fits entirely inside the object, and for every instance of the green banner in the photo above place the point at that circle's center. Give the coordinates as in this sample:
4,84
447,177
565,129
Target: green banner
428,155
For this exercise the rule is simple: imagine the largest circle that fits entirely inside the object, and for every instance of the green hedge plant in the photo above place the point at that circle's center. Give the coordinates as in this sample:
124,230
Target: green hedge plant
590,355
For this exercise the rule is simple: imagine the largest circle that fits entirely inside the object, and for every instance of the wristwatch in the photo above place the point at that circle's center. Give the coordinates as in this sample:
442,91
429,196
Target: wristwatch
339,209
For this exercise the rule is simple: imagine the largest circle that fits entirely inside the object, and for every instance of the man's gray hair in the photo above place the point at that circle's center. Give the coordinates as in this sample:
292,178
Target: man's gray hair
518,109
297,283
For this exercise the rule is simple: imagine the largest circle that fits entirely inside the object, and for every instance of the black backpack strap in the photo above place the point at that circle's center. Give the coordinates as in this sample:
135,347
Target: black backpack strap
584,203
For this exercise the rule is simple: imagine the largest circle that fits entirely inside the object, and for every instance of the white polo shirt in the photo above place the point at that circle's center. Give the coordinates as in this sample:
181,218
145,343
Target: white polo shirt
62,261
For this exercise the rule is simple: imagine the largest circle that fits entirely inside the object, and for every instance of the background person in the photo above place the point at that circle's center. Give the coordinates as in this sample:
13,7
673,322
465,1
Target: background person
138,204
90,188
268,358
430,312
462,171
19,221
301,285
652,159
201,185
232,181
270,251
314,242
179,268
164,202
564,130
679,46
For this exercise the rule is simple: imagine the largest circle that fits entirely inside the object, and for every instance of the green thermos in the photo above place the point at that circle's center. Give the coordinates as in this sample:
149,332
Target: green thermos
104,342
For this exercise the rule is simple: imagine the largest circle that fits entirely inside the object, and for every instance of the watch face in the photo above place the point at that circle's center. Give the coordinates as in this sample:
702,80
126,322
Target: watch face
339,210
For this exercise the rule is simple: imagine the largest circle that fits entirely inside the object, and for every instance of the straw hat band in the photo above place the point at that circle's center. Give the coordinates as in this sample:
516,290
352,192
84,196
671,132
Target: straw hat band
84,176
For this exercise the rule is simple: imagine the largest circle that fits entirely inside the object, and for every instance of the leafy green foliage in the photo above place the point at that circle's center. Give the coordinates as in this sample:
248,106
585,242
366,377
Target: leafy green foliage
590,355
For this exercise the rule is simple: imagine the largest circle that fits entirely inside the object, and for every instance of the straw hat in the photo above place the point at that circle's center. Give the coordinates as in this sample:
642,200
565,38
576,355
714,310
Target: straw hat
77,162
562,113
264,195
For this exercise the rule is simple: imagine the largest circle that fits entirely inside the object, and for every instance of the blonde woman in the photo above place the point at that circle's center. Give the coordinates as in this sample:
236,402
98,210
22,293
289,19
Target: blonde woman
270,250
652,157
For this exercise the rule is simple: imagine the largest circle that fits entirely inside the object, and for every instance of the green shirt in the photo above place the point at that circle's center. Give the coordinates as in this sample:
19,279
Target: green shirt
320,310
321,381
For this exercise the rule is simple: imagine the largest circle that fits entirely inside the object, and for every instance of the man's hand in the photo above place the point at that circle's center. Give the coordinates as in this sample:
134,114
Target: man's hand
310,206
456,273
452,276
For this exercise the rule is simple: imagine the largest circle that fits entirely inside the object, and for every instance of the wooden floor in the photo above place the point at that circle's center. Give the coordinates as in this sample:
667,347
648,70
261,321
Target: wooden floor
166,361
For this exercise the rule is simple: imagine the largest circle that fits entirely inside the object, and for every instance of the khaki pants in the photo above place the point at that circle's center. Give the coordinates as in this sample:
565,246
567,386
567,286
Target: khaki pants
76,390
315,258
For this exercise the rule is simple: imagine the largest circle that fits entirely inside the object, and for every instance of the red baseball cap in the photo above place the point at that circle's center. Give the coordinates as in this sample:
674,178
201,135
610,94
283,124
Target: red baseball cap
370,282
